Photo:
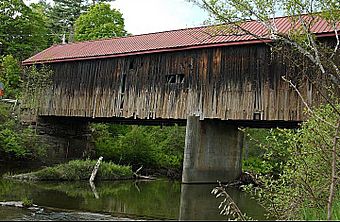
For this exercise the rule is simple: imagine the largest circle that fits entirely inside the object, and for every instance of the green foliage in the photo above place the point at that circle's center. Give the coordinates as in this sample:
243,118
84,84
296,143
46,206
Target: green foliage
268,150
27,202
169,144
9,143
256,165
304,159
63,14
22,31
99,22
17,142
43,9
140,145
136,148
10,76
82,169
312,214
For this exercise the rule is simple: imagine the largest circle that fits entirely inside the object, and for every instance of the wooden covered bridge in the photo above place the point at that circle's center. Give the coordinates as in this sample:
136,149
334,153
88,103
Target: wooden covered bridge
207,77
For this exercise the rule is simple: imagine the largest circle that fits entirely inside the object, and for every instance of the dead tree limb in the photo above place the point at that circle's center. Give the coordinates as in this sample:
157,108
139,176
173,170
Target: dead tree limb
95,169
137,176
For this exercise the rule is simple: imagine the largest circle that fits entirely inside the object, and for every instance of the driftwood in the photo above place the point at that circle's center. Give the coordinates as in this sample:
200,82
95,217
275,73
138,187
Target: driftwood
137,176
94,191
93,175
15,101
95,169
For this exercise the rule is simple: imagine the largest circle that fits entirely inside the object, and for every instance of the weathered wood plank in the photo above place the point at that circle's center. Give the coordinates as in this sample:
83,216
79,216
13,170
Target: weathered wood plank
223,82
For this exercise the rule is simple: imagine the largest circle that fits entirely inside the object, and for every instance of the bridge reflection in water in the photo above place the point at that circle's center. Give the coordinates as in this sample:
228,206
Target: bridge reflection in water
197,203
159,199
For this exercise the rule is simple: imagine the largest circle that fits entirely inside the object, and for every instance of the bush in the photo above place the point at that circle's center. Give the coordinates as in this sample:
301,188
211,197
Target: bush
17,142
268,150
150,146
136,148
304,159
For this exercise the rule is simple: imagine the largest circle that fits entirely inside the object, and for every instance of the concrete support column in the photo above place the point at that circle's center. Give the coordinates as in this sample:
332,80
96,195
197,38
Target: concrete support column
213,151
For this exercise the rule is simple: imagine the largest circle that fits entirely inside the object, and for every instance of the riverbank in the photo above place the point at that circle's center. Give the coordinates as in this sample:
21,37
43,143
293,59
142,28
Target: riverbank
77,170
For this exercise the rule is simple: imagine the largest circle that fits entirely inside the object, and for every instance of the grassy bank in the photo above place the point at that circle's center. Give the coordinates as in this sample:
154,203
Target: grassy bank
79,170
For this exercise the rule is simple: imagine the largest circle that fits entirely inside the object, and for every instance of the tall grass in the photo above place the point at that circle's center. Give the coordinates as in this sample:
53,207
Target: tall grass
82,169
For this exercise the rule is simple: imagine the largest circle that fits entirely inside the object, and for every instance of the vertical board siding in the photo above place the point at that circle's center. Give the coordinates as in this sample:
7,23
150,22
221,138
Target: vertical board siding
223,82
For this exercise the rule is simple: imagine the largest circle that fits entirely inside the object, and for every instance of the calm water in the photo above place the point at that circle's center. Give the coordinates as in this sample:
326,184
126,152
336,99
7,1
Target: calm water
121,200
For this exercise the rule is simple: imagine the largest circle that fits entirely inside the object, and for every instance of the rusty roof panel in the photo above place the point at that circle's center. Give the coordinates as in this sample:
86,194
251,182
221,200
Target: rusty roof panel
198,37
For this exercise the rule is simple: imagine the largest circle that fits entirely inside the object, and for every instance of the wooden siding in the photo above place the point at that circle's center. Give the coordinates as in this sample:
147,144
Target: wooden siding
224,82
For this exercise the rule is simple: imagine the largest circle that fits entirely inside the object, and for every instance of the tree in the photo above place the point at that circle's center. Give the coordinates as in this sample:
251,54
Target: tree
22,32
64,14
43,9
10,75
99,22
301,191
324,74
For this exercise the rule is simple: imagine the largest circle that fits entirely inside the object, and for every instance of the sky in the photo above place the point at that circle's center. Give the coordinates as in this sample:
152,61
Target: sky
148,16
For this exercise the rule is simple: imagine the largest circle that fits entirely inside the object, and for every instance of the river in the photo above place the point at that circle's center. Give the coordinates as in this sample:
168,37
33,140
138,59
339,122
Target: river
160,199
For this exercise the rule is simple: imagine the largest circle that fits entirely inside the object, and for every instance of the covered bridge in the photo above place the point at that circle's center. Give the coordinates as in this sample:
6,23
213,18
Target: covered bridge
205,71
206,76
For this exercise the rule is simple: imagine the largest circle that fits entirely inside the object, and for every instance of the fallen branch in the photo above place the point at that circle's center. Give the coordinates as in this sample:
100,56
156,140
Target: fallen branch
137,176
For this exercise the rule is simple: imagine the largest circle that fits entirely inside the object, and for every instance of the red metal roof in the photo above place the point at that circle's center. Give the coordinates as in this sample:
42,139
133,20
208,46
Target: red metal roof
190,38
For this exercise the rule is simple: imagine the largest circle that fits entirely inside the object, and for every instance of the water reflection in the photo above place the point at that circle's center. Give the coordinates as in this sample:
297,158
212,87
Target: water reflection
159,199
140,199
197,203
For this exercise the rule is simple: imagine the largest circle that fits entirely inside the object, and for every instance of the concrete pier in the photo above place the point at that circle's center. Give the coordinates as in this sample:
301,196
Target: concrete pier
213,151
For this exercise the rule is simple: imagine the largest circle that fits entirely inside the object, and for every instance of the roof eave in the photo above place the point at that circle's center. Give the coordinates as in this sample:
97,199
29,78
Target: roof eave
170,49
173,49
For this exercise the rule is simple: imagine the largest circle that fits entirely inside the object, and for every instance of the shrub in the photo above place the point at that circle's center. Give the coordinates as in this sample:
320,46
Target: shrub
268,150
304,158
150,146
16,141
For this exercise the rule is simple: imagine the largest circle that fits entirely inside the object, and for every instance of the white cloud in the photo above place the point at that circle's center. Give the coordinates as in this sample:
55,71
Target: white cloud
147,16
